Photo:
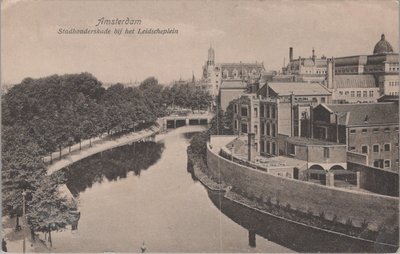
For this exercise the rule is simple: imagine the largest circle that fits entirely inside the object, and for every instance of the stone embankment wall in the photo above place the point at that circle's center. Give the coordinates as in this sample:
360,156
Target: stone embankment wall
344,204
377,180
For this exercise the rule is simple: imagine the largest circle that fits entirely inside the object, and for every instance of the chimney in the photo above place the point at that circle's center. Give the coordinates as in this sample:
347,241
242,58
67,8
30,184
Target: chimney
311,121
251,147
331,74
290,54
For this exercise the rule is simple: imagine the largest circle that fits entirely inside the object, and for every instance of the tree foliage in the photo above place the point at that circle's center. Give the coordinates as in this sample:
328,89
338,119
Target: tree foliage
40,116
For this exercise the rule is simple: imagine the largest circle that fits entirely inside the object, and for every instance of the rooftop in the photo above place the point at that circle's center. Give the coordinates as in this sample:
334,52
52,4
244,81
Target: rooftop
383,46
355,81
233,84
366,113
298,88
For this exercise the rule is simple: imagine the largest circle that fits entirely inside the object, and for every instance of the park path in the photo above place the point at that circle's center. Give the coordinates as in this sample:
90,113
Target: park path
98,146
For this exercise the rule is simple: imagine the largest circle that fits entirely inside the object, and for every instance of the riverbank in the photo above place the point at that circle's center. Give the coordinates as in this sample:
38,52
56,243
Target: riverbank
305,219
14,239
197,165
101,146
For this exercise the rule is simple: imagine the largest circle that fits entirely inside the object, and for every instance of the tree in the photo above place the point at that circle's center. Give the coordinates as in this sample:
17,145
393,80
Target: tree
47,209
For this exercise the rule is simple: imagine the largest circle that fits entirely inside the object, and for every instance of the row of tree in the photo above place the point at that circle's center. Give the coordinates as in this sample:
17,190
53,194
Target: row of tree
40,116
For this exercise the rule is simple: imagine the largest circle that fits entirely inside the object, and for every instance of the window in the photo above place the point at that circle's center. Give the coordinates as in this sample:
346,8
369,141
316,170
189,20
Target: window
365,93
236,124
396,128
322,99
267,110
262,148
273,148
244,111
387,129
262,129
273,130
244,128
326,152
255,112
376,148
340,93
346,93
371,93
255,129
273,112
375,130
387,163
377,163
364,130
358,93
235,109
352,148
268,147
268,130
364,149
352,94
291,149
352,131
262,111
387,147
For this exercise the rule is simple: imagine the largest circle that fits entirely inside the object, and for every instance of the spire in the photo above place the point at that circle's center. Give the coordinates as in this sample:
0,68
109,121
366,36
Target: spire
211,56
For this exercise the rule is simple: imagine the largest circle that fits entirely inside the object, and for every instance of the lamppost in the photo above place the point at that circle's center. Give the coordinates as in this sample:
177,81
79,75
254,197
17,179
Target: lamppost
23,221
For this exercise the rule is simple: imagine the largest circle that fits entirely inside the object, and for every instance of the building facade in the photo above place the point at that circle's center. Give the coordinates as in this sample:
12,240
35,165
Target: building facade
215,73
367,76
370,129
311,69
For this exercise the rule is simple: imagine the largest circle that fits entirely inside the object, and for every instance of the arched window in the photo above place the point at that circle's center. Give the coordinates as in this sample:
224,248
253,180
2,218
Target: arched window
273,130
268,129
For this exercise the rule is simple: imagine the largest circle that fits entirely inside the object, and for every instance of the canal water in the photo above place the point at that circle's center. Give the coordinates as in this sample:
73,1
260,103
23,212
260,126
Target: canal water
143,192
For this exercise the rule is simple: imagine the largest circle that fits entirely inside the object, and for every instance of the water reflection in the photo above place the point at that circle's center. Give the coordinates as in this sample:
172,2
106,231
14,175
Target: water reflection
290,235
112,165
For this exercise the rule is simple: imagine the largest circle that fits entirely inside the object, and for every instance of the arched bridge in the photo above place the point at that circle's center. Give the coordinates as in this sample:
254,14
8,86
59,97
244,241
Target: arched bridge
179,120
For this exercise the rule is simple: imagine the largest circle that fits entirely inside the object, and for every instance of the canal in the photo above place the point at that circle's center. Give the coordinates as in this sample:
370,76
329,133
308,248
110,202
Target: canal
143,192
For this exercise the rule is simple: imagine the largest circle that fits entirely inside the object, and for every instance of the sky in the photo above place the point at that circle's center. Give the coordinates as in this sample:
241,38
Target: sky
246,31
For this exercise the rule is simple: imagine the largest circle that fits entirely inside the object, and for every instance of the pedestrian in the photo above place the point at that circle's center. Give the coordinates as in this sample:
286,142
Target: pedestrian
3,245
143,248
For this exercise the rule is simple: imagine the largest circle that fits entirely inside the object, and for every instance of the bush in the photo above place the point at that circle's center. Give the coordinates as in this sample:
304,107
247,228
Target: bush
198,144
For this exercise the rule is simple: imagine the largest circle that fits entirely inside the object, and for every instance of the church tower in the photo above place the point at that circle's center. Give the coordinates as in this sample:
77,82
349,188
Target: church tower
211,56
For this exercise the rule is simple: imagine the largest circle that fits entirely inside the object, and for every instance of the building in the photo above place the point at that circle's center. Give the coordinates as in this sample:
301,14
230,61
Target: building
370,129
365,75
311,69
354,88
277,108
230,90
215,73
351,79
